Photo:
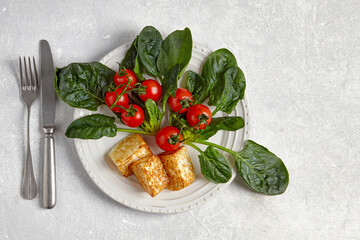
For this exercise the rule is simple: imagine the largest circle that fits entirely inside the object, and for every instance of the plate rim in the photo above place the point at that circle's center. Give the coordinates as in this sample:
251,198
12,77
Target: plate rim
211,194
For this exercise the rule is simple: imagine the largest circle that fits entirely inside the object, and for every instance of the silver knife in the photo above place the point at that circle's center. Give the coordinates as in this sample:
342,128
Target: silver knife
48,122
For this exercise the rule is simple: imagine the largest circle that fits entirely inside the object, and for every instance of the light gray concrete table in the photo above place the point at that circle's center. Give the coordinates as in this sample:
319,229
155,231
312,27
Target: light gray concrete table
302,64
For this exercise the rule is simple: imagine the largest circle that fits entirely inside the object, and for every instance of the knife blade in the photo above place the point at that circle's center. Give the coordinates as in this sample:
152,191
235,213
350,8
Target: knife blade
48,124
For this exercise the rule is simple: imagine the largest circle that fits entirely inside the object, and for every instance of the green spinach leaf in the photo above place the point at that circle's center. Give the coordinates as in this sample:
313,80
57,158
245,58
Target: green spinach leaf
152,117
176,49
262,170
138,69
169,84
222,123
92,127
149,44
132,60
129,59
83,85
227,92
214,67
195,84
214,166
135,99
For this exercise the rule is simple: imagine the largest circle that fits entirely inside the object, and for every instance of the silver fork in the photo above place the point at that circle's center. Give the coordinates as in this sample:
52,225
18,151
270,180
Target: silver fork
29,88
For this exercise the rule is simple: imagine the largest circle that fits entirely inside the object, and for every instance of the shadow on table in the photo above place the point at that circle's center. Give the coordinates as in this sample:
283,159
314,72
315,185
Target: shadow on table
70,154
241,184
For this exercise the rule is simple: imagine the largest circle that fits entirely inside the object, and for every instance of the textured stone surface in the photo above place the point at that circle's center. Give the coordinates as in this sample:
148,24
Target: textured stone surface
302,64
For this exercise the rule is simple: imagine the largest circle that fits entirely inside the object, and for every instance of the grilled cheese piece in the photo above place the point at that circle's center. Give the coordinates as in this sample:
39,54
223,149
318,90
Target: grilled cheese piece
129,150
151,174
179,168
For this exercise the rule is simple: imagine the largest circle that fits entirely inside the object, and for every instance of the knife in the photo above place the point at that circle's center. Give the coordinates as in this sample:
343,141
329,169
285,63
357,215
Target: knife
48,124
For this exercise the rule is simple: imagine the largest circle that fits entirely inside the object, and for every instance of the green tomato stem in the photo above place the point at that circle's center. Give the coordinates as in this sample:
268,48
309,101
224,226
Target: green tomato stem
118,96
134,131
163,107
163,112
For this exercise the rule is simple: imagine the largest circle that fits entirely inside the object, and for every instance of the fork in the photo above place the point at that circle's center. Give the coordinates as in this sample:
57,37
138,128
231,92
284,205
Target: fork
29,88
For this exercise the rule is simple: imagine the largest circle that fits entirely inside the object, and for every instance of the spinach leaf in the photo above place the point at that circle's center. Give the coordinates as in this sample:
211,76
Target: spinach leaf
152,117
129,59
195,84
176,49
222,123
262,170
215,66
83,85
149,44
132,60
169,84
227,92
214,166
138,69
135,99
92,127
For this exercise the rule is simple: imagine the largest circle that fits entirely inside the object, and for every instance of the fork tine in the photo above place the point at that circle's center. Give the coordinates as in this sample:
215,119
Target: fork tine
31,75
27,85
31,79
36,75
22,83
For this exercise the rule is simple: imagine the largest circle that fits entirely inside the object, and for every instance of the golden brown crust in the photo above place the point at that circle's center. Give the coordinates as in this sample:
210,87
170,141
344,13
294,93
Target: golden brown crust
179,168
151,174
127,151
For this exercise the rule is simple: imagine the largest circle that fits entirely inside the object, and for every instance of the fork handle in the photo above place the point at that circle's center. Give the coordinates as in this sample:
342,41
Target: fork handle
49,171
28,182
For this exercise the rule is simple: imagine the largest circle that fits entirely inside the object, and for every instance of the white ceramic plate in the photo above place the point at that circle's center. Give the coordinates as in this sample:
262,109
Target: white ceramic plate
128,191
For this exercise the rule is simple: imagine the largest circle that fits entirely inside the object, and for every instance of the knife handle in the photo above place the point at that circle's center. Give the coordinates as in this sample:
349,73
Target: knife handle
49,180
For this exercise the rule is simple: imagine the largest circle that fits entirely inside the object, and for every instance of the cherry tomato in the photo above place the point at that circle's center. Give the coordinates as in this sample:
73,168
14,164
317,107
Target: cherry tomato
110,98
153,90
167,138
199,116
123,76
133,117
182,100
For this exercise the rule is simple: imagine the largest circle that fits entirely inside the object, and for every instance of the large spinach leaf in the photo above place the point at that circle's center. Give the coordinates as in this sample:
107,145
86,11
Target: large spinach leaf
149,44
169,84
227,92
138,69
214,166
83,85
132,60
262,170
152,117
195,84
214,67
176,49
92,127
222,123
130,56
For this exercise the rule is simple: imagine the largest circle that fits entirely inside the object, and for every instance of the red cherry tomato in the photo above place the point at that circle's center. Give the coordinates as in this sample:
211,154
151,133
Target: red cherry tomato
153,90
123,76
133,117
167,138
182,100
199,116
110,98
